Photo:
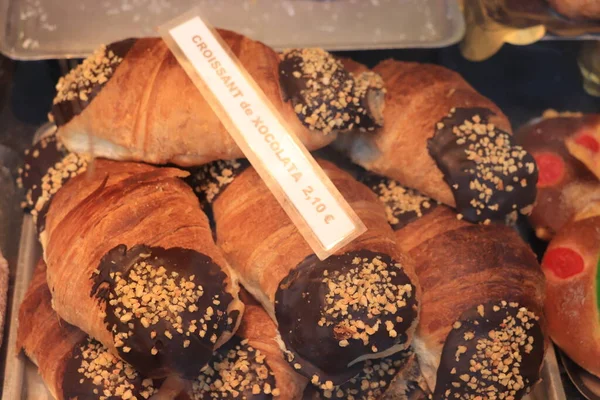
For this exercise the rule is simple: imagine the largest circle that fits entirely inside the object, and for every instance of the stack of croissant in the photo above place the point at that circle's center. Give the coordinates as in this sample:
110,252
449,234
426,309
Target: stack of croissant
191,282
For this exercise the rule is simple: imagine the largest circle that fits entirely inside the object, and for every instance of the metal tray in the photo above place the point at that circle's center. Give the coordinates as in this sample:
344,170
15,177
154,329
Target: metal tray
22,381
41,29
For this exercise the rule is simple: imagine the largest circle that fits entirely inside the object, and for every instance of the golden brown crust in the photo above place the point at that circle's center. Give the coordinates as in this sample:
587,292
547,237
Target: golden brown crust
118,203
418,96
46,339
571,301
577,8
151,111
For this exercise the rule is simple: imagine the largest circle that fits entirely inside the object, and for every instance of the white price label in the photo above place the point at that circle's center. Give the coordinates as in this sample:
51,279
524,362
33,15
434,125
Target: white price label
305,192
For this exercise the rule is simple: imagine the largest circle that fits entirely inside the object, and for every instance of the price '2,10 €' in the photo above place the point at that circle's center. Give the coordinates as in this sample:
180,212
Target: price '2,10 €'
320,207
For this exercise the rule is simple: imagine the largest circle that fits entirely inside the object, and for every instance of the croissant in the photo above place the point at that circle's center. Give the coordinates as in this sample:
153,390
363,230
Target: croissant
358,304
72,364
449,142
565,185
131,262
571,267
131,100
251,365
482,327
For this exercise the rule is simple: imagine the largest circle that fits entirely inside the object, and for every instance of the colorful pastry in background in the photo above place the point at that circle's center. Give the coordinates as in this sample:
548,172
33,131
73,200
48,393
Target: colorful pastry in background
573,289
577,9
131,100
250,366
565,185
72,364
150,283
446,140
584,144
359,304
481,325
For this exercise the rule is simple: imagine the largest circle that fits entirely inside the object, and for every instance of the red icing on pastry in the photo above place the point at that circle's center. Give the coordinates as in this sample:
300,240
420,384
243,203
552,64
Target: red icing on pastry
586,140
551,168
563,262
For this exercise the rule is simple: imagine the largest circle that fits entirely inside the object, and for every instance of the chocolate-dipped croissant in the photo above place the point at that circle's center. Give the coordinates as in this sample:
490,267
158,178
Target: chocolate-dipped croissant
131,100
72,365
446,140
482,330
359,303
131,262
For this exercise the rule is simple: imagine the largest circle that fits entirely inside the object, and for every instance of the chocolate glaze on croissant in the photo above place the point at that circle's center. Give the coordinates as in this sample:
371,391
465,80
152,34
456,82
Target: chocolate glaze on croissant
130,283
488,176
376,318
48,166
326,96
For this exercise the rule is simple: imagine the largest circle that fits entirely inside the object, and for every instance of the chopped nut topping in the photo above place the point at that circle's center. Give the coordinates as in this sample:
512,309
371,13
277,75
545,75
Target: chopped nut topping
210,179
370,383
329,98
113,377
62,166
494,360
368,288
490,168
401,203
151,295
237,370
94,70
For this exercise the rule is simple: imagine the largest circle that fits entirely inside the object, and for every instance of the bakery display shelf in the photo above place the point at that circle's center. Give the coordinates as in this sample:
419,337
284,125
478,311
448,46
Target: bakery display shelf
43,29
22,381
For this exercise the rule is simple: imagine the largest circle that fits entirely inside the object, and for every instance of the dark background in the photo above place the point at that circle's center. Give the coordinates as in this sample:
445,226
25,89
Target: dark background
523,81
